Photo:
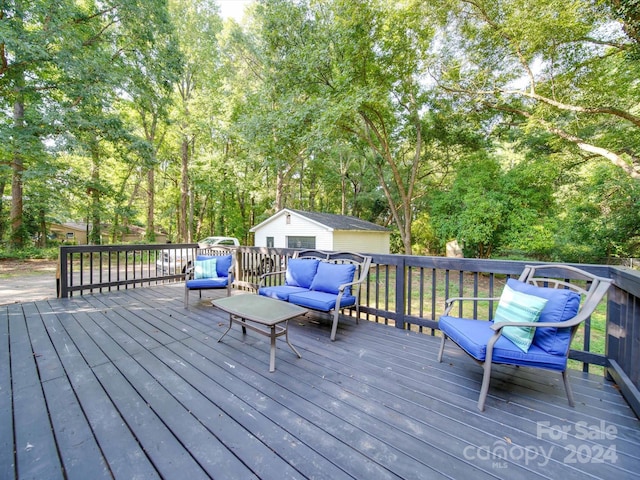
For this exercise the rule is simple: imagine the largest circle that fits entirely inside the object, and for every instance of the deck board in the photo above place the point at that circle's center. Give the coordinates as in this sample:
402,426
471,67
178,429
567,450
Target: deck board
129,384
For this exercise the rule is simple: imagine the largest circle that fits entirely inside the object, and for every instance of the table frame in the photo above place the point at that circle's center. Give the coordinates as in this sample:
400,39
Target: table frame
242,310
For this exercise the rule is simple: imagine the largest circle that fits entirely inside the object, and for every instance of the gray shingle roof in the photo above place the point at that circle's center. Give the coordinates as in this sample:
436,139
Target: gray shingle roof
340,222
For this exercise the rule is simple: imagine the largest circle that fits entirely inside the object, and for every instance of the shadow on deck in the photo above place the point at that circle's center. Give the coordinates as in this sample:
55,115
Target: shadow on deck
129,384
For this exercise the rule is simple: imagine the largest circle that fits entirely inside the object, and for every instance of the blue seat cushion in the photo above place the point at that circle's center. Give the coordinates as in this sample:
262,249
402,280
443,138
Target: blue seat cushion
330,276
204,283
562,305
280,292
300,272
321,300
472,336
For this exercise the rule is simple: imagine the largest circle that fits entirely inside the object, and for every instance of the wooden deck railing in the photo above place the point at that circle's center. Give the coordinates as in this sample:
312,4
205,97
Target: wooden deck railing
403,291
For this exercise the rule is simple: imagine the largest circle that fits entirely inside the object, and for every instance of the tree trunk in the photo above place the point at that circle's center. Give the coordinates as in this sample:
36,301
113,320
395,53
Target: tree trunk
95,234
343,185
184,190
42,237
3,185
17,167
279,189
150,234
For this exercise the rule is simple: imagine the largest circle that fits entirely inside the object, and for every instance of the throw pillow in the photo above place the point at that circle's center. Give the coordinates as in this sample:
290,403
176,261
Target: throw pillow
519,307
205,269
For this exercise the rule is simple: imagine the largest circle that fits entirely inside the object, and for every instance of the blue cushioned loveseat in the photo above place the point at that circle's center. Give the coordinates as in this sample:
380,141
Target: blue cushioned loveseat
323,281
209,272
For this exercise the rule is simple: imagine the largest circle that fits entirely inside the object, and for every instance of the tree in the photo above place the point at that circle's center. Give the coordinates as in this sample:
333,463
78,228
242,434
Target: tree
153,75
601,218
559,67
356,67
197,26
62,65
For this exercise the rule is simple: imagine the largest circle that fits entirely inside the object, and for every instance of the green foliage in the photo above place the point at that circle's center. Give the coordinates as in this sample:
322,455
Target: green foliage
480,121
602,219
30,253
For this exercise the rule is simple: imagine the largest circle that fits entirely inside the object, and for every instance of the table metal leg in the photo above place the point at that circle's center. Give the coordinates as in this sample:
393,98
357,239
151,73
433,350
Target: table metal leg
272,352
274,332
227,330
286,336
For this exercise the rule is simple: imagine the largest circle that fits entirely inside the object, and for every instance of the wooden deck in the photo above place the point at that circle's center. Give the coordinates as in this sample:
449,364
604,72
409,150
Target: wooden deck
130,385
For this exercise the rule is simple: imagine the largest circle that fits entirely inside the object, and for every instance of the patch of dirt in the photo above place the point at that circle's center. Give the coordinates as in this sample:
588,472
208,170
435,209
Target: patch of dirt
12,268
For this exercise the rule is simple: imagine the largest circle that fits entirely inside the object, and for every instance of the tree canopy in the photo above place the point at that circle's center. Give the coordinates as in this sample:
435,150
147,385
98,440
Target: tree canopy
511,126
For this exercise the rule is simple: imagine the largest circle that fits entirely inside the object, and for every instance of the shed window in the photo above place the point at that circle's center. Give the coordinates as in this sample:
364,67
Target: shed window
301,242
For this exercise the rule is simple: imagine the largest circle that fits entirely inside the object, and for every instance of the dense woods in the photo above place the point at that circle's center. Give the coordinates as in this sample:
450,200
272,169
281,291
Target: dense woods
511,126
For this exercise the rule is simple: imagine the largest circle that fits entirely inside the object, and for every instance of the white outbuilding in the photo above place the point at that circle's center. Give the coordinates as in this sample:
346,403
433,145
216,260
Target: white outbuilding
323,231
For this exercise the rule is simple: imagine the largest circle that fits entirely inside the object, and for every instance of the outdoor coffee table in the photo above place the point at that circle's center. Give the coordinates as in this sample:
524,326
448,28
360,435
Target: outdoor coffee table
269,315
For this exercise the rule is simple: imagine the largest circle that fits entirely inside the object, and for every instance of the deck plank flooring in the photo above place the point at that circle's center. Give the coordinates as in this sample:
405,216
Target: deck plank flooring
129,384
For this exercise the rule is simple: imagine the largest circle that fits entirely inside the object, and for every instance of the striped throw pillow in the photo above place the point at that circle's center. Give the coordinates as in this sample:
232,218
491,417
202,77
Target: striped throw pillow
205,269
519,307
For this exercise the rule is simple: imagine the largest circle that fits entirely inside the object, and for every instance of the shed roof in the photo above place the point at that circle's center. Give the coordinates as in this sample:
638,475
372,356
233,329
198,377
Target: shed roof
330,220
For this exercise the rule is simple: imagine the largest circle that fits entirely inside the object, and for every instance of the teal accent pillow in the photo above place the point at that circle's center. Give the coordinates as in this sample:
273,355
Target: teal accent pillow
205,269
516,306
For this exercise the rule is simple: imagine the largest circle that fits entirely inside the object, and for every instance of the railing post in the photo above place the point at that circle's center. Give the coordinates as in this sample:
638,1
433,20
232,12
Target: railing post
61,274
401,275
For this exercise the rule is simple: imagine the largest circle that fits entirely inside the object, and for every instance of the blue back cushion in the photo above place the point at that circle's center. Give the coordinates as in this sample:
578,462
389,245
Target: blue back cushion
561,305
330,276
300,272
223,263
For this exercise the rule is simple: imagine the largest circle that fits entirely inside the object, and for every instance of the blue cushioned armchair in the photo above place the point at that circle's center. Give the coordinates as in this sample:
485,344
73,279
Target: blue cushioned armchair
209,272
534,323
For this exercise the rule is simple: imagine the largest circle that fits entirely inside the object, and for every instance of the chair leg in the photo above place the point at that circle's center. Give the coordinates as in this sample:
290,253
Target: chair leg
567,387
186,298
334,327
484,390
441,352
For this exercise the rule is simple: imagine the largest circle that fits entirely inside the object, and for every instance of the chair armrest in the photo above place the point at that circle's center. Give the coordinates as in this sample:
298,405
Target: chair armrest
572,322
449,302
350,284
264,276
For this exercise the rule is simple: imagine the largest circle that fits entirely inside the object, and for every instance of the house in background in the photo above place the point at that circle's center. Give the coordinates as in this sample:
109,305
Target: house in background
76,233
323,231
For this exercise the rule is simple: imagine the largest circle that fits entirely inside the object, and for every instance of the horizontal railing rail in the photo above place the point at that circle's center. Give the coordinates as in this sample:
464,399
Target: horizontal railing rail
403,291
